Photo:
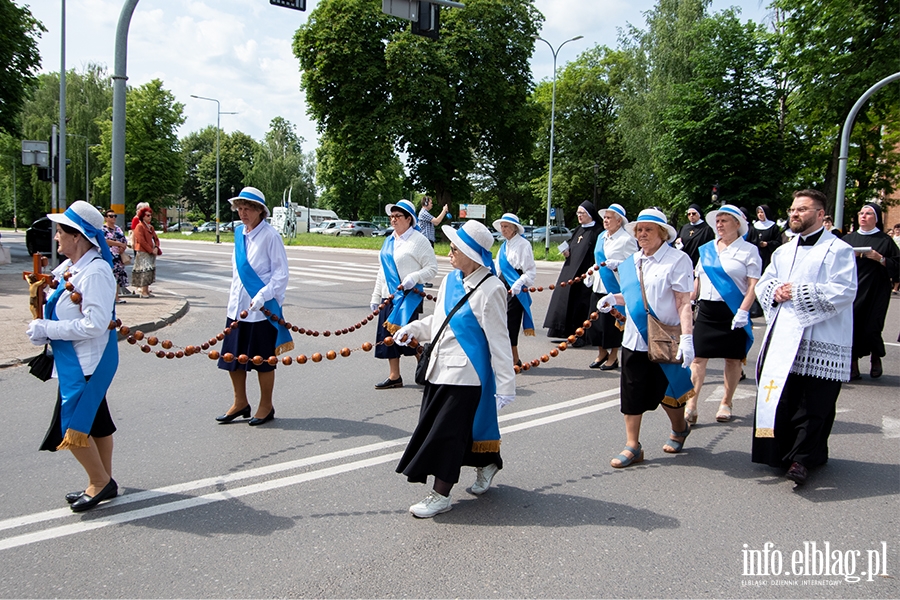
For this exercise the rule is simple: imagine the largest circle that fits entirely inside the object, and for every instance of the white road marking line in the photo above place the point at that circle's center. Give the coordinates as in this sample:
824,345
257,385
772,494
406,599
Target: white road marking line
719,392
319,274
183,504
890,426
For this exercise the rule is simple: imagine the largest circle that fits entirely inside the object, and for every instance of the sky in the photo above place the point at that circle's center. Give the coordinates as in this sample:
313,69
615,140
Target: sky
239,51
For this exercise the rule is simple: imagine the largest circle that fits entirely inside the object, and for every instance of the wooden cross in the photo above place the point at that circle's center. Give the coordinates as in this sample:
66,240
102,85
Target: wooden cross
37,281
771,387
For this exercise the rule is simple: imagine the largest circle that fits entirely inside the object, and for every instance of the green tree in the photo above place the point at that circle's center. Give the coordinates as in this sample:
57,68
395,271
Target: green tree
341,54
279,165
197,147
20,59
831,53
154,166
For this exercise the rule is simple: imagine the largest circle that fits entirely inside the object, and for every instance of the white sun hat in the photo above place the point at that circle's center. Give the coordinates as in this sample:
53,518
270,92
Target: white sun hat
616,209
403,205
652,215
512,220
83,217
250,194
728,209
474,240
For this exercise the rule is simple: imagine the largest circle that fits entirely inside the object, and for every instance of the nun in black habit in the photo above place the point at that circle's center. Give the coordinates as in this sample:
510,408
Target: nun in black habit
570,306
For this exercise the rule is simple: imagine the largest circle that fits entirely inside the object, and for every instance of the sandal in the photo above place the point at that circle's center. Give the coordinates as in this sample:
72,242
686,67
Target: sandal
690,415
674,446
724,414
637,455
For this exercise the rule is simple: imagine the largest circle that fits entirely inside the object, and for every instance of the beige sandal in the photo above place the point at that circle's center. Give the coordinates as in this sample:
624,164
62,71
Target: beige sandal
724,414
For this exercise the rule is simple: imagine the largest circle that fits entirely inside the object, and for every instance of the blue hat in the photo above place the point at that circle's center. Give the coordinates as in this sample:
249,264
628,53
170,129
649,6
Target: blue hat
728,209
251,194
512,220
616,209
653,215
404,205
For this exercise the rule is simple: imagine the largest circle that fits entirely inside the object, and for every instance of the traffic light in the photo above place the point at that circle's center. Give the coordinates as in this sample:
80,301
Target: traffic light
715,192
429,22
294,4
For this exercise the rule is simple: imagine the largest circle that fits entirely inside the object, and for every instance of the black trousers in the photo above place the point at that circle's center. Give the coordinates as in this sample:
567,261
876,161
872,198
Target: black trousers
803,422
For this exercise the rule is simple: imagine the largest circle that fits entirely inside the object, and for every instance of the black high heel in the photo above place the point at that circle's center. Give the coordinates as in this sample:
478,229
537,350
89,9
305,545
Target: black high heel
226,418
254,421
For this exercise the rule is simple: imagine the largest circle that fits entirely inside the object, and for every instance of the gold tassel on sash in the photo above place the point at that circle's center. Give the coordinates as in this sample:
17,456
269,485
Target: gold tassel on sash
765,432
673,403
74,439
285,347
486,446
529,332
392,327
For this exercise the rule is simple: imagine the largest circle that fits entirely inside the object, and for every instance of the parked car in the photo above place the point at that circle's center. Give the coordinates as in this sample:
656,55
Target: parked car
229,226
39,237
208,226
358,228
183,226
383,232
557,235
322,226
332,227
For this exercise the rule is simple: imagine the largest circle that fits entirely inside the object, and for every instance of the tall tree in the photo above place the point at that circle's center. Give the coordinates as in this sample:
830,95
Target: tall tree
341,54
20,61
279,165
832,53
154,167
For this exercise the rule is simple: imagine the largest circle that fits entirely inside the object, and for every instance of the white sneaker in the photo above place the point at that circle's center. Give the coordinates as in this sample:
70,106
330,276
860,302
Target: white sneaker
433,504
483,478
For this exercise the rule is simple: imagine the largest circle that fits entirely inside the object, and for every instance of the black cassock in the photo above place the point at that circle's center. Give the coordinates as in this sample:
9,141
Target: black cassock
772,237
570,306
873,294
694,236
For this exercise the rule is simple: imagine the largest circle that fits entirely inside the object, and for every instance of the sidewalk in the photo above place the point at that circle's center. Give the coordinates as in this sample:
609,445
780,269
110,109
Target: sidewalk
147,314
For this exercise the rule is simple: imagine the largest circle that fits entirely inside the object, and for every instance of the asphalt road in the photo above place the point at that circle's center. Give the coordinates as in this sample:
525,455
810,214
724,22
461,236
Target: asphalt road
309,505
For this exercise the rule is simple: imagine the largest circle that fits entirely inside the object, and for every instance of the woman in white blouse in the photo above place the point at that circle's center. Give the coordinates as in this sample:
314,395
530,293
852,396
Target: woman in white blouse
259,278
727,272
407,262
516,268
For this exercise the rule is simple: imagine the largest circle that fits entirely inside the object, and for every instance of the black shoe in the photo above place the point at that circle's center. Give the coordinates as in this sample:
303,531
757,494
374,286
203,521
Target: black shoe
389,383
797,473
606,367
597,364
429,284
743,375
877,371
226,418
578,343
73,496
85,502
254,421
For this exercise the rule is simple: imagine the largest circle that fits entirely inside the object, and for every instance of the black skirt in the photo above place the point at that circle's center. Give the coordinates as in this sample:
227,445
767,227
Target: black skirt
515,312
255,338
713,335
603,332
103,424
394,351
442,441
642,384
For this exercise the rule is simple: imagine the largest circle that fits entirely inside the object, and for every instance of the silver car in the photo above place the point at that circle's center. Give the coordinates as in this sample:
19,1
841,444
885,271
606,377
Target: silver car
358,228
557,235
331,227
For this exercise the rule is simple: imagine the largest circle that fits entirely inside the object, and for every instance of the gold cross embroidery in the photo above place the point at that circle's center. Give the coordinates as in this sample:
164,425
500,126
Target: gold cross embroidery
579,239
771,387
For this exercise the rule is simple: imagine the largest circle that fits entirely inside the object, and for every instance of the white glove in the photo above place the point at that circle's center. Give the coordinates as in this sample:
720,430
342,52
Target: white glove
257,302
741,319
374,307
588,280
37,332
503,400
686,350
403,336
516,287
612,265
409,282
606,303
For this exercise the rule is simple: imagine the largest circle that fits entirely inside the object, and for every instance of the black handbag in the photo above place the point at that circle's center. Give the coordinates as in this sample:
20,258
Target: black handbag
41,366
425,356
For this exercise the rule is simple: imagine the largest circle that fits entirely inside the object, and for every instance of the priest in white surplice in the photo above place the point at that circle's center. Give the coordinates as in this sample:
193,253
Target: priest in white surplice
807,294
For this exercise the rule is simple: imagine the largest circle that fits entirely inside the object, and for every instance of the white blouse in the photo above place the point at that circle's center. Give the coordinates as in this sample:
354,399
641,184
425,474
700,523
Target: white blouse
617,246
521,257
414,256
741,262
267,256
668,270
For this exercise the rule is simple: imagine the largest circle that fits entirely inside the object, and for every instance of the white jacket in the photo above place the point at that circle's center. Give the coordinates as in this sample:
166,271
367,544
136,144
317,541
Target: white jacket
415,257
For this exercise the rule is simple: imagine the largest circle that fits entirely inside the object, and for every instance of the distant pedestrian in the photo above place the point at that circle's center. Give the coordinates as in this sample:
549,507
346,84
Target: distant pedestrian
807,294
877,264
694,233
137,211
146,249
118,246
517,271
427,221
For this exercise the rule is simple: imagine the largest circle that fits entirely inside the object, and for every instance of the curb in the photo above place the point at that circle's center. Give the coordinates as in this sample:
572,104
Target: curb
161,322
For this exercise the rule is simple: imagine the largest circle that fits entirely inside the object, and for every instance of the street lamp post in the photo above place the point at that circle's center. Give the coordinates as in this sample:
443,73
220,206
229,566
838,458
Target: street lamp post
219,113
552,119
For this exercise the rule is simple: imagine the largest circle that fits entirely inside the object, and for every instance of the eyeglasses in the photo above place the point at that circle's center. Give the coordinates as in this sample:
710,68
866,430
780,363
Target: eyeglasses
397,216
110,216
693,213
453,249
792,211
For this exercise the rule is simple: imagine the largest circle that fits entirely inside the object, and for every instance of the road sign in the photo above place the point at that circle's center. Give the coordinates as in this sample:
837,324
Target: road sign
295,4
35,152
405,9
552,212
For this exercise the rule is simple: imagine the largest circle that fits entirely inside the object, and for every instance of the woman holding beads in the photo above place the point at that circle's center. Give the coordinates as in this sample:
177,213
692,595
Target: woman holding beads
517,271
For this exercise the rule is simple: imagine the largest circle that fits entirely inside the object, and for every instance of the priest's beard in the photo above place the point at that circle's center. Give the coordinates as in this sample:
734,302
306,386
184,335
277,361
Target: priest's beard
801,224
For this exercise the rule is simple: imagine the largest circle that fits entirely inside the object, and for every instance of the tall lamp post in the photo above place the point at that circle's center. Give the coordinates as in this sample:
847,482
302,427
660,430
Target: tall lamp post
552,120
219,113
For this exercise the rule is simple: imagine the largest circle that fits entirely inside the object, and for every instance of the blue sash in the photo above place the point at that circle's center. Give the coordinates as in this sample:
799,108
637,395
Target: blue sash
723,283
680,386
510,275
80,398
405,302
252,283
606,274
472,339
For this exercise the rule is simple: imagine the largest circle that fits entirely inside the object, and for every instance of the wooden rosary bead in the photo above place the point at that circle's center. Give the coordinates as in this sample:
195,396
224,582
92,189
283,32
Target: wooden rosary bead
75,297
257,360
170,355
287,360
166,344
160,354
345,352
214,355
125,330
331,355
131,340
228,357
367,346
272,360
243,359
316,357
244,314
302,359
153,340
145,348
